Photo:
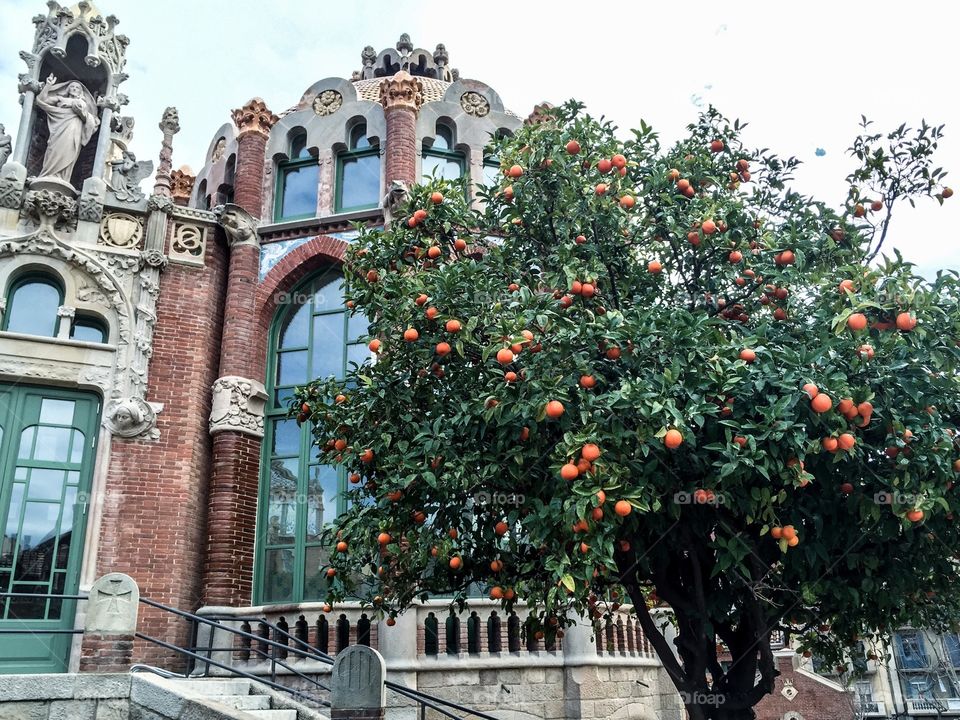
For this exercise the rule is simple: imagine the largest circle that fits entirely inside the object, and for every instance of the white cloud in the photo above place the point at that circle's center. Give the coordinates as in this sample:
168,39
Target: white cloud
801,74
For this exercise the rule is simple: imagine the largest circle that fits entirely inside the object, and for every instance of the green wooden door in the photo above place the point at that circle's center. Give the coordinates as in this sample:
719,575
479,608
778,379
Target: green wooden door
47,446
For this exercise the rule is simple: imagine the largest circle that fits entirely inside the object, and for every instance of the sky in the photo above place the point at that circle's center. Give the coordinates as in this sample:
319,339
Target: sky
800,73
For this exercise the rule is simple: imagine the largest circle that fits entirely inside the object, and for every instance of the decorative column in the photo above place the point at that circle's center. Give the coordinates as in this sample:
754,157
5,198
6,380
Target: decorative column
401,97
170,126
28,89
239,397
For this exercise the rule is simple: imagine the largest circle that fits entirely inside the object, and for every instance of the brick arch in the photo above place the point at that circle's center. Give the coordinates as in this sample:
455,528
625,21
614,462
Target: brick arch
300,262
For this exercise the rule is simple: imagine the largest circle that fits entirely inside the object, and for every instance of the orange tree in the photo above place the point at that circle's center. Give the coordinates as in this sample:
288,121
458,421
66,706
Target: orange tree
659,372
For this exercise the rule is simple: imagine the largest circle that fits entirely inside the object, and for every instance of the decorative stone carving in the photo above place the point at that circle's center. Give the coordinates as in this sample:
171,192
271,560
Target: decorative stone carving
112,606
6,145
170,126
127,176
473,103
369,59
788,690
240,226
404,45
131,417
540,114
255,116
160,203
153,258
326,103
90,204
65,311
122,128
51,209
189,242
11,187
181,184
72,119
121,230
396,196
218,150
402,91
238,405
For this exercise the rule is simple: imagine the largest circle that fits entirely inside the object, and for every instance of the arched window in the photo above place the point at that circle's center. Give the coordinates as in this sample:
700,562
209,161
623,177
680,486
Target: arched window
358,173
32,306
491,161
225,192
313,336
440,159
89,329
203,200
297,180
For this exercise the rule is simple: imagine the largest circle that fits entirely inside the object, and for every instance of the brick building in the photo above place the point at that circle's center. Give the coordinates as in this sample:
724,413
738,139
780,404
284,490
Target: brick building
149,340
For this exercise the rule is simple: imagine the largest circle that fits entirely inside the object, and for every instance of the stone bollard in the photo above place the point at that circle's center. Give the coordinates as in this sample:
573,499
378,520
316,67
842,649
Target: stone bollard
357,691
110,624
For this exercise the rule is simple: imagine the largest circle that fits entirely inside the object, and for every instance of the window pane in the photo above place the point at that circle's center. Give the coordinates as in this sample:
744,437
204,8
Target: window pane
292,368
314,576
358,138
329,296
53,444
33,309
327,351
441,167
286,438
358,354
88,331
39,524
491,173
46,484
443,139
357,326
300,191
77,447
56,412
282,504
322,486
360,186
278,575
293,333
298,147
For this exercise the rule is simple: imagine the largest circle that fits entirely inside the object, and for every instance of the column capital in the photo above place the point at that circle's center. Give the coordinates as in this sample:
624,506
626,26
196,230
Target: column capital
238,406
254,117
181,185
402,91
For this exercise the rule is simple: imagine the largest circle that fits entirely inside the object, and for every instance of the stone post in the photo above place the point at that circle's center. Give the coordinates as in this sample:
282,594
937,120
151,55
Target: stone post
110,624
401,97
236,418
170,126
357,690
29,89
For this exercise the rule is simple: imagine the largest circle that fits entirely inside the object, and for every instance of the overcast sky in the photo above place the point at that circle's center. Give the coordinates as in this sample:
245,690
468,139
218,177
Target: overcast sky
800,73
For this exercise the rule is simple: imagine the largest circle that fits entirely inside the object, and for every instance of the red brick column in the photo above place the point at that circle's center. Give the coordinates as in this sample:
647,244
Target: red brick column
236,419
401,97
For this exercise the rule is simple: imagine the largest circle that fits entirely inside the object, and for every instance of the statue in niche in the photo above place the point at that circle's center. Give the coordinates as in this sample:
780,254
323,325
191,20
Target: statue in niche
6,145
127,176
71,119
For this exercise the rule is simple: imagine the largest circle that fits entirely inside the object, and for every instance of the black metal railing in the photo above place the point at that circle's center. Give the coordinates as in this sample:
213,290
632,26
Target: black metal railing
275,650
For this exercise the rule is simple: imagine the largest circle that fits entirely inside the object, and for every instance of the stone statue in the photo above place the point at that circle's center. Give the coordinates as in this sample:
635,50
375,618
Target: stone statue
127,176
396,196
369,58
238,224
130,417
6,145
71,119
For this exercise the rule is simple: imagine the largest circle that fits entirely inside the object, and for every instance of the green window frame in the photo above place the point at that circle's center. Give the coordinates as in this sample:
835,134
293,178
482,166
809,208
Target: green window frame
442,152
299,162
87,328
360,149
13,309
313,335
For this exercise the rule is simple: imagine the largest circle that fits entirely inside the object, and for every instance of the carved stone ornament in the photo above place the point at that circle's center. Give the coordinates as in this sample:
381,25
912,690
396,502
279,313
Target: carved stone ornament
131,417
154,258
240,226
255,116
112,606
51,209
473,103
104,45
11,191
395,198
189,242
127,175
181,183
401,91
218,150
121,230
540,114
327,103
788,690
159,203
238,406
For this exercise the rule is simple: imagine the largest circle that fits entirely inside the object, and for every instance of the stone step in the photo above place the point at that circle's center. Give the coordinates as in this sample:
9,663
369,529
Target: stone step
204,687
274,714
242,702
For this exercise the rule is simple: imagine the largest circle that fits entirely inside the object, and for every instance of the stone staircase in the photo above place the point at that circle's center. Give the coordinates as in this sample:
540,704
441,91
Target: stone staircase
221,699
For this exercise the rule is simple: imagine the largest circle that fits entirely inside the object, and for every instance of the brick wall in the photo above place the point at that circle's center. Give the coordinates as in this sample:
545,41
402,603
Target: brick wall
106,653
248,188
815,700
401,147
153,525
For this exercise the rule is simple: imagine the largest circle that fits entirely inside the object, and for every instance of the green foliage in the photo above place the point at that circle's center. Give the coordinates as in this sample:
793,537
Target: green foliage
457,446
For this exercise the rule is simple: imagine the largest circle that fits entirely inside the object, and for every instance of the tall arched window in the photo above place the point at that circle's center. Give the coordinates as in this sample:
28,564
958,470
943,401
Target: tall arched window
440,158
358,173
32,306
297,180
313,336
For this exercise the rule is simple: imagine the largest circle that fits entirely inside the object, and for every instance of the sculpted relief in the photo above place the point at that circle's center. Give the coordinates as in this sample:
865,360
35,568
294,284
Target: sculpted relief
71,120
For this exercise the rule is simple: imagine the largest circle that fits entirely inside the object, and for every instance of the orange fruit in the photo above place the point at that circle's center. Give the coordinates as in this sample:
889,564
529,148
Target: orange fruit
622,508
500,528
436,198
569,471
554,409
515,171
496,593
789,532
748,355
374,345
846,441
620,162
587,290
811,390
793,542
460,244
604,165
627,202
654,267
613,353
505,356
411,335
587,381
421,299
456,563
673,439
821,403
776,533
342,547
845,286
716,146
843,407
590,452
431,313
433,252
573,147
384,538
601,188
857,322
367,455
906,322
709,227
830,444
510,377
453,326
496,565
735,256
915,515
443,349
